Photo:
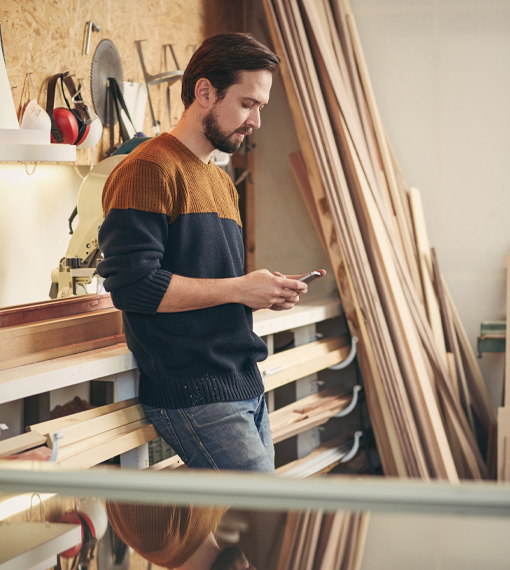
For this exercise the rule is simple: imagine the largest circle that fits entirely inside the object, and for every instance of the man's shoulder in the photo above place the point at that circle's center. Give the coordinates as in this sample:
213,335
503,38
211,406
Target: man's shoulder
159,151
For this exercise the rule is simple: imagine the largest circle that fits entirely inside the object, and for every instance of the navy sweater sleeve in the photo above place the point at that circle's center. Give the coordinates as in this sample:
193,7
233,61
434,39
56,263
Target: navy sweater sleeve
132,243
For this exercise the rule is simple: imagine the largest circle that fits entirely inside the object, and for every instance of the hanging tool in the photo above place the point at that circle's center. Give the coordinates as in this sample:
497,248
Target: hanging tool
105,65
165,77
178,67
90,27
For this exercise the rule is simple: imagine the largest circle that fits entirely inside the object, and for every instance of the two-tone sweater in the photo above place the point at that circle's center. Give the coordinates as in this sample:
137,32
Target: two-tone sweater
167,212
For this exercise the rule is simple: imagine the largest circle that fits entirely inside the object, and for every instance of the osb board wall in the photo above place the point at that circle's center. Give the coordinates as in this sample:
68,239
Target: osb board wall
45,38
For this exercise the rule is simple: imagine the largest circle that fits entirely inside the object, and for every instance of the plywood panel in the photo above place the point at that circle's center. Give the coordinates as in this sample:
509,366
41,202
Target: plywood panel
44,38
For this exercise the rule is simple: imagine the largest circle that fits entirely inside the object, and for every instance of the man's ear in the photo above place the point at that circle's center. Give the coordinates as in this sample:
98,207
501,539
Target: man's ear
205,93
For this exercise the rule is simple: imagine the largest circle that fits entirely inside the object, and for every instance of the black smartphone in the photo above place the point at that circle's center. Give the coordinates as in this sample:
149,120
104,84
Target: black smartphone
309,277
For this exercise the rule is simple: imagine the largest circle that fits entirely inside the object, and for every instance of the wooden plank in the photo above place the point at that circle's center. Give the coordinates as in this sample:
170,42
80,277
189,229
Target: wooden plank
42,311
313,534
301,176
64,422
503,438
361,538
98,441
289,540
452,343
85,431
302,361
111,448
22,381
507,350
449,402
23,340
306,413
335,544
21,442
322,448
425,264
475,377
61,351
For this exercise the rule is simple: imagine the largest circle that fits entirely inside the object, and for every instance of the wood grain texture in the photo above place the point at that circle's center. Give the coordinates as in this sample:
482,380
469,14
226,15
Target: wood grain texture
45,38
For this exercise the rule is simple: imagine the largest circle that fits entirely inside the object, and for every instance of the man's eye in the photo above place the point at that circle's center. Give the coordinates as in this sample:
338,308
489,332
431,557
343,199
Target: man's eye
247,105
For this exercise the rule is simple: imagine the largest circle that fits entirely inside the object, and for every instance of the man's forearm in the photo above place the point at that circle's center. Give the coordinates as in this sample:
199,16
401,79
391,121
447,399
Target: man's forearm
258,290
187,294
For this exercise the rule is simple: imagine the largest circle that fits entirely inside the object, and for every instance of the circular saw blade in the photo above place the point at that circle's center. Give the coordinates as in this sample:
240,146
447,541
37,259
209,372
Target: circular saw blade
105,64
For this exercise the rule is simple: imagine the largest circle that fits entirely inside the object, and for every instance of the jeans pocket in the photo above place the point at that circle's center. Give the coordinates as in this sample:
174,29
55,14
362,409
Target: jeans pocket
159,418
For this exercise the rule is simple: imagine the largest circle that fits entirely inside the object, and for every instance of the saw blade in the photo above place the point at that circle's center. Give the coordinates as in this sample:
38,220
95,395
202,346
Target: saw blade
105,64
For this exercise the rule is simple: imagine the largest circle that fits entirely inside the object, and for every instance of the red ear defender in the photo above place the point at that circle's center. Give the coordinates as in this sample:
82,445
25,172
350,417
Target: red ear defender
68,126
87,531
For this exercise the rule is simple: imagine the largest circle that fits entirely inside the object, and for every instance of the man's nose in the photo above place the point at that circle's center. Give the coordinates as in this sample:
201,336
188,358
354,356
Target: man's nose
254,119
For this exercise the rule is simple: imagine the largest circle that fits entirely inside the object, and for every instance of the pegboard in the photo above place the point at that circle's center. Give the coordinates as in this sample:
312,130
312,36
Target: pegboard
45,38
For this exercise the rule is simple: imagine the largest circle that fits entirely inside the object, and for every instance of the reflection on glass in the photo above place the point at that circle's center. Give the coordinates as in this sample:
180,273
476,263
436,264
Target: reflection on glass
202,538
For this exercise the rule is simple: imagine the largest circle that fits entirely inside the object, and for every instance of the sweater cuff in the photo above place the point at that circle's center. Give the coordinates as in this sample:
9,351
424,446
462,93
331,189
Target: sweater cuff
144,296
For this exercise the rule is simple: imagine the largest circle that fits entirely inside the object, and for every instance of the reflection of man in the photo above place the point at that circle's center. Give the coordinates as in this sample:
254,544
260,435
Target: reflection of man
181,538
173,262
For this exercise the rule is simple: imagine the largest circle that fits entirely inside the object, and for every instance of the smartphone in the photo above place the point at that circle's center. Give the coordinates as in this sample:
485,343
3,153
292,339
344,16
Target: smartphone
309,277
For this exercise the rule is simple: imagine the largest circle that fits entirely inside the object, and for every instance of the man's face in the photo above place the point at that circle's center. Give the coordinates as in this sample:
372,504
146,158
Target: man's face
238,112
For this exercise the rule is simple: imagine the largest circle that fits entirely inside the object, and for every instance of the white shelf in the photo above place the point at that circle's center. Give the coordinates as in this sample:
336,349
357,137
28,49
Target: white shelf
26,544
37,153
28,145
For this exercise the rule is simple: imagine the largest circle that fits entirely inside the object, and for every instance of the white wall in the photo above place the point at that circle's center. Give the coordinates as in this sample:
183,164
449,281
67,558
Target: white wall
435,542
440,72
34,232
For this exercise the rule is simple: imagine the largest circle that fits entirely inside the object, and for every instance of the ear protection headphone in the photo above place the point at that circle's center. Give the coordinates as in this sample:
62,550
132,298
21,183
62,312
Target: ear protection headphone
68,125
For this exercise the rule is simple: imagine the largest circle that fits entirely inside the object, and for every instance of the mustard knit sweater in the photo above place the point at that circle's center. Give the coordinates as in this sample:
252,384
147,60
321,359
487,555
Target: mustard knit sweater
168,212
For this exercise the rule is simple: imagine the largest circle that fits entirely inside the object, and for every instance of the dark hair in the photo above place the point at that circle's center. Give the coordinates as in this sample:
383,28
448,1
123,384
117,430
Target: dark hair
227,558
221,58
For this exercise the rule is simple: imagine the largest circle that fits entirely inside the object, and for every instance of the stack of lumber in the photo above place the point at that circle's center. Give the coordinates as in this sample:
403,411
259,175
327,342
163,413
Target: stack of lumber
323,541
36,332
429,406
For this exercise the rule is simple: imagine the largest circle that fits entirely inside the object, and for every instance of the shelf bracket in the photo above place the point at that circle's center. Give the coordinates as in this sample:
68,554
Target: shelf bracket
54,441
352,355
354,450
352,405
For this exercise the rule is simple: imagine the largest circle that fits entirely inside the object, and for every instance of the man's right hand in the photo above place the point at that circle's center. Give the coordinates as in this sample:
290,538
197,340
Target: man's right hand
262,289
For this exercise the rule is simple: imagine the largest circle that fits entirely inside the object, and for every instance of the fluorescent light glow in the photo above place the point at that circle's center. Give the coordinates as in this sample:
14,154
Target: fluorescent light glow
19,503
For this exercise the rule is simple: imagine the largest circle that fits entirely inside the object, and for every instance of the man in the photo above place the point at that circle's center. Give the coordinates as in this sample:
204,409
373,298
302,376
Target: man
173,262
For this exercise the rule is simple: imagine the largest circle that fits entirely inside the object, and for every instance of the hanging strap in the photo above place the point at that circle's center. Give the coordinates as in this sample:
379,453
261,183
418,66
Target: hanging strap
116,102
79,104
50,103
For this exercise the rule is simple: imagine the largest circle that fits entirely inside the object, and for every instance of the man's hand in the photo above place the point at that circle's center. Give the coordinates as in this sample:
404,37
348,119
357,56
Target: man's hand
264,290
289,305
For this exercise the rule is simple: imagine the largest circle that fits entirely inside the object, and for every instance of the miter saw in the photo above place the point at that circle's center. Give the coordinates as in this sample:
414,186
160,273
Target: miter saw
77,269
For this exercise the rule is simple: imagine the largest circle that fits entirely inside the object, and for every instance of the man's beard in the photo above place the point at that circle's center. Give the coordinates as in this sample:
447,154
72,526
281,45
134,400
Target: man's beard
218,138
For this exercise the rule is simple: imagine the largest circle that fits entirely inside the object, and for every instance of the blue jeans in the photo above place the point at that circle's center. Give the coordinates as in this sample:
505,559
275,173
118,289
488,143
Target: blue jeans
223,436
